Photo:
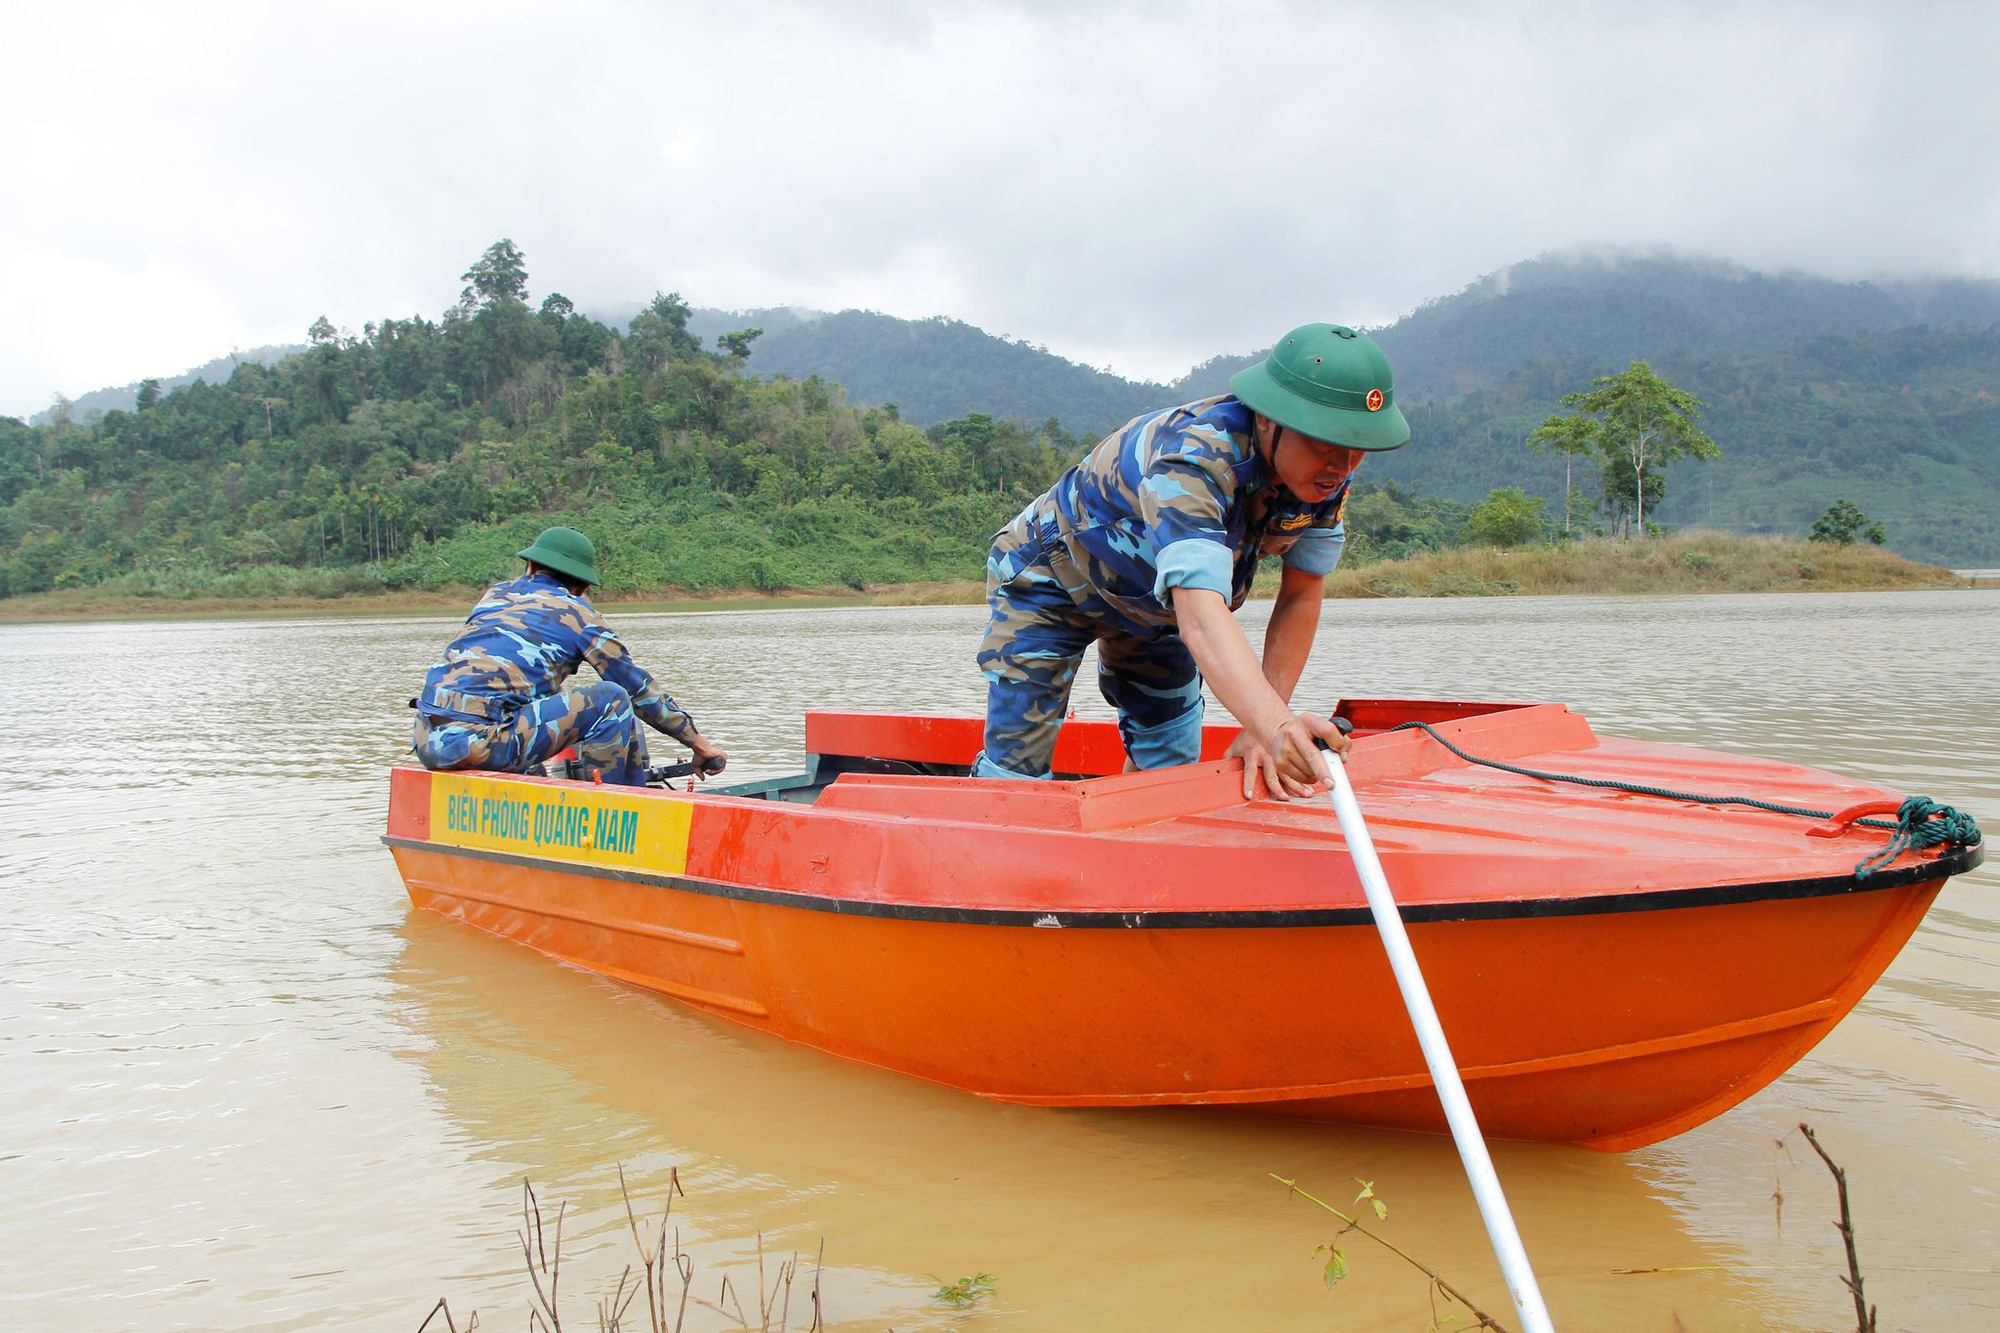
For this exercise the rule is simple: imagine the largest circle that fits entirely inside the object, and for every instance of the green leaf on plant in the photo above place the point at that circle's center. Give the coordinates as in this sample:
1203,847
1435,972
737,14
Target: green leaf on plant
1336,1268
964,1292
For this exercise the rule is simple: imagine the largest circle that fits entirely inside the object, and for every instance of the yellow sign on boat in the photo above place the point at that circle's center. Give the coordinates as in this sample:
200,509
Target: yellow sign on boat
601,825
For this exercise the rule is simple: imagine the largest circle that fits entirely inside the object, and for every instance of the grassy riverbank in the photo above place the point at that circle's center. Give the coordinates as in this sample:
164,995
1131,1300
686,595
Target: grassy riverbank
1687,562
1692,562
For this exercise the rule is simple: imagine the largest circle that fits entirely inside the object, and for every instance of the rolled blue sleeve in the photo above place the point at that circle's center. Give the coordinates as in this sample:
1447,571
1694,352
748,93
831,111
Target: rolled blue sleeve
1194,562
1317,551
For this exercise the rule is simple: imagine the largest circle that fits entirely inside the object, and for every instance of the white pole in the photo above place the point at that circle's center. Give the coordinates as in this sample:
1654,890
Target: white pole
1437,1054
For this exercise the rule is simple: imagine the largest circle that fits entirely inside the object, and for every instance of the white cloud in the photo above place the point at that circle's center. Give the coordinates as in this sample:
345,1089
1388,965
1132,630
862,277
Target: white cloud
1141,186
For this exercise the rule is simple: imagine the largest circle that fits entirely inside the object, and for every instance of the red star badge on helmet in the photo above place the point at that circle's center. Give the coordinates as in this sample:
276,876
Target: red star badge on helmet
1374,400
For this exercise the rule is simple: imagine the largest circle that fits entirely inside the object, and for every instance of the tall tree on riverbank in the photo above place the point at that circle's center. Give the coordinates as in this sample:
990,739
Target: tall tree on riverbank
1638,422
1573,438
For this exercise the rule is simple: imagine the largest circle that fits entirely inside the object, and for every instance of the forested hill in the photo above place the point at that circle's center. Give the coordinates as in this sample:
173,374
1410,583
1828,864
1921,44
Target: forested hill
1905,422
424,452
1610,311
1818,390
426,449
120,398
1602,310
933,369
1884,393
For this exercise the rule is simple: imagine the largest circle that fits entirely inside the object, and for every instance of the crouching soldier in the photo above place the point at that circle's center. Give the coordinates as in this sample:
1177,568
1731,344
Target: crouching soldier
497,699
1147,546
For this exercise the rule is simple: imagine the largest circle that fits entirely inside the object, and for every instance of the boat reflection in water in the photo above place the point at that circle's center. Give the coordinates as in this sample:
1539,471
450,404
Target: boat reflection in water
1612,968
1090,1218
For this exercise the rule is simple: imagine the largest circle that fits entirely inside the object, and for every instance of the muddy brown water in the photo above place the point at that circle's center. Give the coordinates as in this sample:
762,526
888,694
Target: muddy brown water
247,1087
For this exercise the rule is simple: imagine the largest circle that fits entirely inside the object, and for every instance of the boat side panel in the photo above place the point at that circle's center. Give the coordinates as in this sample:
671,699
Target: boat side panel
410,803
1612,1030
686,945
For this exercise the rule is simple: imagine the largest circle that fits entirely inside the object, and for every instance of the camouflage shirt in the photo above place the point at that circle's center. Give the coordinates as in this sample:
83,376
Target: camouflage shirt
1181,497
521,642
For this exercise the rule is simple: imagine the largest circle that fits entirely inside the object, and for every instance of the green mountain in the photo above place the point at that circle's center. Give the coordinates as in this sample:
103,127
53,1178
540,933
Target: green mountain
1609,311
417,453
425,452
121,398
1904,422
932,369
1614,310
1817,391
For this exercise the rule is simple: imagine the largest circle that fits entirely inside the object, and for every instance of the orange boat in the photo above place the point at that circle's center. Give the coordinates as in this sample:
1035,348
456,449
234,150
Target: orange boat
1612,968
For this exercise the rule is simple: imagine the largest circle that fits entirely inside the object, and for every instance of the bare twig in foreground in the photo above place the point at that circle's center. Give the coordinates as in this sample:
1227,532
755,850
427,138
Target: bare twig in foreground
1864,1314
443,1307
541,1264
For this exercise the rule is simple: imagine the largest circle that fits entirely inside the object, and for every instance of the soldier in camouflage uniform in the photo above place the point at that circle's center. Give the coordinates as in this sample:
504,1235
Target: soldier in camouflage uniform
497,700
1147,546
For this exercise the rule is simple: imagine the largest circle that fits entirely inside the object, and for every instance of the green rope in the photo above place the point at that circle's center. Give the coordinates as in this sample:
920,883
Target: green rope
1921,822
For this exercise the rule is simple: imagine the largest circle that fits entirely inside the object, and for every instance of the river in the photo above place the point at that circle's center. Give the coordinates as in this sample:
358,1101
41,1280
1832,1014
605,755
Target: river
247,1087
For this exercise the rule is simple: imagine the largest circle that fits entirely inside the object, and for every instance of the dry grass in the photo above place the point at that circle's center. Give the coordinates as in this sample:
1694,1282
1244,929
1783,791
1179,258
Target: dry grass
956,592
1687,562
666,1279
91,604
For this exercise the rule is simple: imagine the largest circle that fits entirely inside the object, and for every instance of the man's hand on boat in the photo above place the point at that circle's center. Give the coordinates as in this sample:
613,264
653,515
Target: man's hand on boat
1287,755
706,762
708,757
1276,741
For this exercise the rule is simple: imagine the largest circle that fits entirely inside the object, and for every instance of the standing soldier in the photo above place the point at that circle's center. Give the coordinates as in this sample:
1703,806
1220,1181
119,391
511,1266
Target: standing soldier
497,700
1149,544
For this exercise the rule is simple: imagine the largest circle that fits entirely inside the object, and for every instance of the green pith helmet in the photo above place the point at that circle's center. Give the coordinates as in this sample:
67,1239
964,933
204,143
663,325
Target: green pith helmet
566,551
1329,382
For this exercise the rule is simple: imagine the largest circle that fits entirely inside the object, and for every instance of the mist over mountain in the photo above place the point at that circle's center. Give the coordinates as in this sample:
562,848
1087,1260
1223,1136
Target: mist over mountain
1610,310
1883,393
1818,389
1617,308
120,398
933,369
1605,309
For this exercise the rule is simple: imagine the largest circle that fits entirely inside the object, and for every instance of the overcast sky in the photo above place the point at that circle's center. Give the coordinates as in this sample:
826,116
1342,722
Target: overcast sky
1134,186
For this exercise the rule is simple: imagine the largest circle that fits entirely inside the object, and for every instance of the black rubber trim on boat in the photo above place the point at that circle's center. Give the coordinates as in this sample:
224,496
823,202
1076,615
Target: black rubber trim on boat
1956,861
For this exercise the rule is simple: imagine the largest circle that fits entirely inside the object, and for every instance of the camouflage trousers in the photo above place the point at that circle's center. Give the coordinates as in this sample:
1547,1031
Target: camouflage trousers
1044,616
597,719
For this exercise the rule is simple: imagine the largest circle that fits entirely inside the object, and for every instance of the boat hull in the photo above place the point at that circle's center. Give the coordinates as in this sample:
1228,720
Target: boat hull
1611,1030
1611,967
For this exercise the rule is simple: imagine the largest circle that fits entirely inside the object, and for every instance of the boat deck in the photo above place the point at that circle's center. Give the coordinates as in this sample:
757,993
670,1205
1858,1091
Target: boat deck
1457,840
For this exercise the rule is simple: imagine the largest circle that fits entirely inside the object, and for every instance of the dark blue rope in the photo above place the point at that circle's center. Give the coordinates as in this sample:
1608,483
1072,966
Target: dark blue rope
1921,822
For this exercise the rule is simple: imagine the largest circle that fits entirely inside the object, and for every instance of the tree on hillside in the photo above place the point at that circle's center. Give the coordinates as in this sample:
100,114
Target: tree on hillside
1642,423
737,344
659,333
499,276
